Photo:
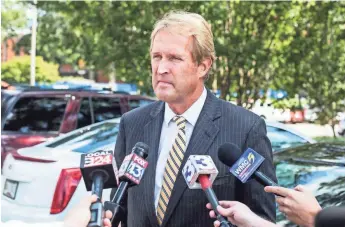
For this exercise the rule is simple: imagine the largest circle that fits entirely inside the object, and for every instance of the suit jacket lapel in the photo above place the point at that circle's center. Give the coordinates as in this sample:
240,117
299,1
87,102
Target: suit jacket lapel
152,133
203,136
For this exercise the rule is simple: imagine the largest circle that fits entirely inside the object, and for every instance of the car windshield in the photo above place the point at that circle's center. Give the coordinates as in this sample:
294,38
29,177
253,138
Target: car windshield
319,153
88,139
281,138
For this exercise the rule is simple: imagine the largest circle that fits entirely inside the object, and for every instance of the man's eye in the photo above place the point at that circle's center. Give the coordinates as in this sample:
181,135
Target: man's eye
156,57
176,58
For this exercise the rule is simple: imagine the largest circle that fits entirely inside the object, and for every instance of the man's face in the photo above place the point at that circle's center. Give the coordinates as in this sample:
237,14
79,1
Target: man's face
175,76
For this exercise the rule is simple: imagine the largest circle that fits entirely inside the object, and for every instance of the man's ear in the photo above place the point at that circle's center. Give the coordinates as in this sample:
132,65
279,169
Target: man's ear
204,67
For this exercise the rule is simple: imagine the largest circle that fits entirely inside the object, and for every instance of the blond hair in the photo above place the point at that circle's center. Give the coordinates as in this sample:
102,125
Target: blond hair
189,24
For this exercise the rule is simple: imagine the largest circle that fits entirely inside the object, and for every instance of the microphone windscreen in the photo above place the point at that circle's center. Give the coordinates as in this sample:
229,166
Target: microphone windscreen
331,217
229,153
143,151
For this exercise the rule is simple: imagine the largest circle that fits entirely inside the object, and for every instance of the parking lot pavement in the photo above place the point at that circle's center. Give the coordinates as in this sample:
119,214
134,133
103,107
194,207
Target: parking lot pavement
312,130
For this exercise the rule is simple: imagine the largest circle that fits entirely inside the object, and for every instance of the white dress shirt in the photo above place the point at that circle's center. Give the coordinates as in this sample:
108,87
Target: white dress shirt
169,133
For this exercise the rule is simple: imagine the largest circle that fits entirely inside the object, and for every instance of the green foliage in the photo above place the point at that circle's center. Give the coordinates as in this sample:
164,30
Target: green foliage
13,18
18,70
313,59
294,46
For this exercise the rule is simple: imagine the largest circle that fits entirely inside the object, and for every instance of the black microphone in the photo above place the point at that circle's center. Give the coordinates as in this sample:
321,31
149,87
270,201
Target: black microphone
200,172
243,165
98,173
331,216
130,173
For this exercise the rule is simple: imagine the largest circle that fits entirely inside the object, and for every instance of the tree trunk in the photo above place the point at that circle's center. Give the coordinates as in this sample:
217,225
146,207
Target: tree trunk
333,129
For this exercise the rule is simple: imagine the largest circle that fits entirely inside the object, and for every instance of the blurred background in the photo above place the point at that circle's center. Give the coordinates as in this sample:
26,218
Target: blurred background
81,63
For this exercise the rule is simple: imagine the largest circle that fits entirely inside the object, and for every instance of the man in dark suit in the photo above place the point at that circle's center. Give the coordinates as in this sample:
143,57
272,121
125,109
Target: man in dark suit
188,120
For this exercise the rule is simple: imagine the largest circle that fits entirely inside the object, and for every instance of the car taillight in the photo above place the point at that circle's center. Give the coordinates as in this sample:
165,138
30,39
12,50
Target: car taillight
65,187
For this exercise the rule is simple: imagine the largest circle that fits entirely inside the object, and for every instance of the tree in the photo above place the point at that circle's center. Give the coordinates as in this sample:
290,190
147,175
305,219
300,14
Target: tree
18,70
315,58
13,18
260,45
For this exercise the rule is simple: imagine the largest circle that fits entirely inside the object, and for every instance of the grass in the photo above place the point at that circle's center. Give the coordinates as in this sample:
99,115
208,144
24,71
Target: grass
329,139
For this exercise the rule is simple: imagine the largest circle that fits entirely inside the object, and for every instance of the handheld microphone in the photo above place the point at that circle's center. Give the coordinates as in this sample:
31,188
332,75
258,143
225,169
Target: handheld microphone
331,216
200,172
130,173
245,165
98,170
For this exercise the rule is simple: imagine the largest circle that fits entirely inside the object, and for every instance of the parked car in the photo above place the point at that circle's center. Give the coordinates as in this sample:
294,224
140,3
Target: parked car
32,116
51,191
310,114
46,180
281,136
319,167
267,111
297,116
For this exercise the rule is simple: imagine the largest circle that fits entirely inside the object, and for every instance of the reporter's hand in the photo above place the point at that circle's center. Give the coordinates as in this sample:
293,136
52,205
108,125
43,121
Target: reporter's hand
80,215
299,205
238,214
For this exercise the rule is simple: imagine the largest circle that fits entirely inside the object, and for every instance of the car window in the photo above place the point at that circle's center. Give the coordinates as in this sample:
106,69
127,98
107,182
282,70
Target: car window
281,138
84,114
135,103
36,114
88,139
326,182
5,102
106,108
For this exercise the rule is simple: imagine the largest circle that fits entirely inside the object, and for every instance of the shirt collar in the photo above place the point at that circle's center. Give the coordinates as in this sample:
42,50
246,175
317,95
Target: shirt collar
191,114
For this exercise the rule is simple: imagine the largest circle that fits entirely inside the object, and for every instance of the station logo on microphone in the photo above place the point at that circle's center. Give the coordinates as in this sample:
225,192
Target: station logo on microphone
246,165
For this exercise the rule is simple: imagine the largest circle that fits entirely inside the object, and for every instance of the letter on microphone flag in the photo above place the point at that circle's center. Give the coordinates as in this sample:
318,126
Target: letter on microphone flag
133,167
246,165
198,165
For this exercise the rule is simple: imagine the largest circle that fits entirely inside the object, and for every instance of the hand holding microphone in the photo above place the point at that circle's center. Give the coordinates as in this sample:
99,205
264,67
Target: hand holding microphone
200,172
98,170
238,214
130,173
299,205
80,214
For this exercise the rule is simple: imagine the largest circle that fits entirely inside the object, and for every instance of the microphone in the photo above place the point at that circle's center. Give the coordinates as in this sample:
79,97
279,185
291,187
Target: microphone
243,166
130,173
200,172
98,170
331,216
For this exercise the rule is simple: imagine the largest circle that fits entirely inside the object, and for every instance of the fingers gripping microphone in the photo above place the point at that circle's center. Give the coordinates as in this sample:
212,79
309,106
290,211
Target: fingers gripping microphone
200,172
98,173
130,173
243,166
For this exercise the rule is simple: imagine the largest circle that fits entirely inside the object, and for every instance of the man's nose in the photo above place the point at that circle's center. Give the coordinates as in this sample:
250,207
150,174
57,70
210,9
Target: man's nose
163,67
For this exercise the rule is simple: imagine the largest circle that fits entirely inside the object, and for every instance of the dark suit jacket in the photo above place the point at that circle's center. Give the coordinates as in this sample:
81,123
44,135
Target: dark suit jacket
219,122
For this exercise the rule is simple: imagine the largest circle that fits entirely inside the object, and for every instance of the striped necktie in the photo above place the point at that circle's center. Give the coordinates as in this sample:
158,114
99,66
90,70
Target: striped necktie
172,167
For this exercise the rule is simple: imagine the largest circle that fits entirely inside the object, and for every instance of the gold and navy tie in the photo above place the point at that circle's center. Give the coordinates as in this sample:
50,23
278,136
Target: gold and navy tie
172,167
